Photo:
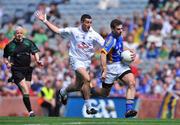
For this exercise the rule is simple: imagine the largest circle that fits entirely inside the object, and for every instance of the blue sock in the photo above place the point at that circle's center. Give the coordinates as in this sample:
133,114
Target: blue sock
129,104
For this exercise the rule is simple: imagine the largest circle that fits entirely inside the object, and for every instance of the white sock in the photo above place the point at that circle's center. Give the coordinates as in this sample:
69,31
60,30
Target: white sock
87,104
31,112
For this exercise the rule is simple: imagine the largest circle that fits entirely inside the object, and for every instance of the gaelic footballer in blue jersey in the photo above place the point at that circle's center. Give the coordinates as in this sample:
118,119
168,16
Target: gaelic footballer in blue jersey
113,67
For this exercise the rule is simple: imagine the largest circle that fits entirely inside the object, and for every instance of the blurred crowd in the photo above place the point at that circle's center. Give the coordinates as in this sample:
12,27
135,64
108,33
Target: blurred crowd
154,34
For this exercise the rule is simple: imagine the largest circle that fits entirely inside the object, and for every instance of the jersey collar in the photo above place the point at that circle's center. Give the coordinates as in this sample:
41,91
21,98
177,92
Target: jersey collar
17,41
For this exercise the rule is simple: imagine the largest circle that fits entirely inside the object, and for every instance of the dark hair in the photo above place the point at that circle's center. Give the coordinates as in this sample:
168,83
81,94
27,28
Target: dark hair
85,16
115,23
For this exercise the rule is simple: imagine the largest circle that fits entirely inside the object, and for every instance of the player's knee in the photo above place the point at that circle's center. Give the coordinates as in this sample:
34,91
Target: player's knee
25,91
87,80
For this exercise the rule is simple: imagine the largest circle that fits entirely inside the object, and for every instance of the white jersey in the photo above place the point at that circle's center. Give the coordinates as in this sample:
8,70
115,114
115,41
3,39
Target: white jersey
81,43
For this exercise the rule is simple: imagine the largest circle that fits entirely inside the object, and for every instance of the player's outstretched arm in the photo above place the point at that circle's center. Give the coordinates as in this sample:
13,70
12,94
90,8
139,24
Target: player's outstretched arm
42,16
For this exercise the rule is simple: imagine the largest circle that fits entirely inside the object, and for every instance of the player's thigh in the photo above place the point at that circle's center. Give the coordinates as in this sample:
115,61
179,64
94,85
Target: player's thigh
77,63
80,67
17,76
129,78
83,73
79,80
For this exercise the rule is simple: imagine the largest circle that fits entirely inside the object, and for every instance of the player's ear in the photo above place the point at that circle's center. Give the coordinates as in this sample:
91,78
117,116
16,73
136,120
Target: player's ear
112,30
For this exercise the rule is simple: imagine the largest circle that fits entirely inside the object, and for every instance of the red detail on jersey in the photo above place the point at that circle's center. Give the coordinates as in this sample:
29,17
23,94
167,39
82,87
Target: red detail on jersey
82,45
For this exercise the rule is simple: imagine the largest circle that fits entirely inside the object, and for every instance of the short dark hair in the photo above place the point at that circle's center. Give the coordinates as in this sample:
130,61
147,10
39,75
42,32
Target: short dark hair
115,23
85,16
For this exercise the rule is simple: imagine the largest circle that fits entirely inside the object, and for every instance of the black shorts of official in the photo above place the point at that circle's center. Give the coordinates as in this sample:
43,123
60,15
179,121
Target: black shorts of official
20,73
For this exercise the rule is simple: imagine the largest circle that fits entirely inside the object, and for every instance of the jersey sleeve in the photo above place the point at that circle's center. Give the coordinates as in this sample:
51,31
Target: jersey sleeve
109,42
65,32
34,48
6,51
99,40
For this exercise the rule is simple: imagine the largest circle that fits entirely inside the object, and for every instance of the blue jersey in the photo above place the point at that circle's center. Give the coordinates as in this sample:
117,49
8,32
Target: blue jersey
113,47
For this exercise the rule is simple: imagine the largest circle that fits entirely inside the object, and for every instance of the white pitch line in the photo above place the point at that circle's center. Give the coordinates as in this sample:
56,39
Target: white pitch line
91,123
36,124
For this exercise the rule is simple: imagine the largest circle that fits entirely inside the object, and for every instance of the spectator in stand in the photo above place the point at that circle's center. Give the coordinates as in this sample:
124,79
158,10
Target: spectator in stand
152,51
164,52
36,84
157,88
177,66
103,32
29,13
176,87
130,43
155,29
10,90
138,31
1,14
127,24
10,32
171,4
118,90
141,52
176,31
155,3
3,41
46,98
144,86
54,12
177,13
174,51
35,29
40,38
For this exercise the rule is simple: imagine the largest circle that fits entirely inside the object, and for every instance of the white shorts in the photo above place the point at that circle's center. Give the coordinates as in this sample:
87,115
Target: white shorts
76,63
114,71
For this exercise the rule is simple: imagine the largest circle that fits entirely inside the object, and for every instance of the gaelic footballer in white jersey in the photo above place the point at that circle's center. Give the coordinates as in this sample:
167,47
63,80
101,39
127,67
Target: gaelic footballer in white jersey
81,43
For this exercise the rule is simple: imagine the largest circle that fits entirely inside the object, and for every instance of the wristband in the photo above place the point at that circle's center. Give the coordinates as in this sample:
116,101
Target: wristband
45,18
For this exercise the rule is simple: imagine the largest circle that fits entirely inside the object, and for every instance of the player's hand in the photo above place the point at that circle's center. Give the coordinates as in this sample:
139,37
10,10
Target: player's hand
104,74
133,55
41,16
40,63
9,65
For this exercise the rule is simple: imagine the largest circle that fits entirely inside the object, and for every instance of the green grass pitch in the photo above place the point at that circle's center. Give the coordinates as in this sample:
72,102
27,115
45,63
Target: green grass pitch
83,121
